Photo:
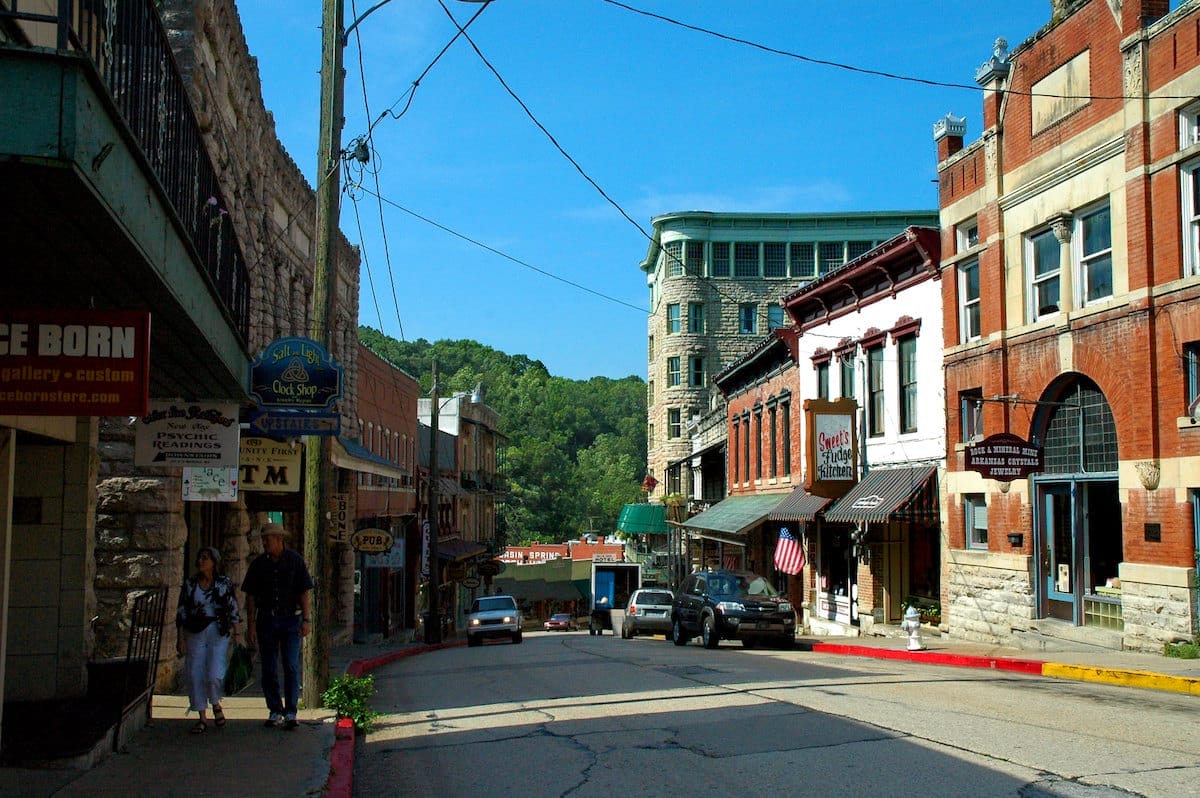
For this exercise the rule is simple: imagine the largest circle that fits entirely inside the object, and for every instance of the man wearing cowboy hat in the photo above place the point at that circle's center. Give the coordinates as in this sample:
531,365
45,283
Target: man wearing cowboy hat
277,587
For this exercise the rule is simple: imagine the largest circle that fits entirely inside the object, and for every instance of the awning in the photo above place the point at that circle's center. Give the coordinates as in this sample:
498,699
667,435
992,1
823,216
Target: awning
448,487
456,549
799,506
735,514
907,493
353,456
643,519
695,456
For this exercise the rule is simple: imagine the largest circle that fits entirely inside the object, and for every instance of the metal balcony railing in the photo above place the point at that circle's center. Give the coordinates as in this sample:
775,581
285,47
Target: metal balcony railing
128,46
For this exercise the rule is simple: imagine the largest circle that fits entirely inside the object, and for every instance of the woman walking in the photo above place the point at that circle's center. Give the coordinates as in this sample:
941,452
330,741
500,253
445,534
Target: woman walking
206,618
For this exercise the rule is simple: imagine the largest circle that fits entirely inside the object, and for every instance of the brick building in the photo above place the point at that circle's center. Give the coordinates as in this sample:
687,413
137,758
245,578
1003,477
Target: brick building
1071,273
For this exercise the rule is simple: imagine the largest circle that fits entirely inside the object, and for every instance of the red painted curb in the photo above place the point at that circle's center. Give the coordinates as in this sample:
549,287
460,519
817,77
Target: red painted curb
1030,666
340,783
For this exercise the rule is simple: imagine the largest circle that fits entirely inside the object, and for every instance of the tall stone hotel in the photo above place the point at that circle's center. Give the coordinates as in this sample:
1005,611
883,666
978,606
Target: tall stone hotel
716,284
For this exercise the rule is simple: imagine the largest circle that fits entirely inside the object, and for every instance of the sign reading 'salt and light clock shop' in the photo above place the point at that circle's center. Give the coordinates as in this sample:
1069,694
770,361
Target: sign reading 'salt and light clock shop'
295,373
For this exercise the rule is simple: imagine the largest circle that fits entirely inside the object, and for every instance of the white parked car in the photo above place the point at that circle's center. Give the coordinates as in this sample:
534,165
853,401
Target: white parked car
493,616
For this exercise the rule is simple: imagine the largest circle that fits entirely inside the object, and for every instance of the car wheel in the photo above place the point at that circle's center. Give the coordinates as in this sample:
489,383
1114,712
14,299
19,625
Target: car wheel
625,635
786,643
677,634
749,642
474,640
516,638
709,634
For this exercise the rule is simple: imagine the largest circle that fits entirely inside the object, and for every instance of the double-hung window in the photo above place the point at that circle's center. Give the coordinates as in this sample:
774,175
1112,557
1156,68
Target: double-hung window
846,374
696,372
1191,360
672,371
1044,255
696,318
785,426
1094,237
693,260
674,422
775,259
970,404
719,266
823,380
875,409
976,517
804,259
968,301
672,319
967,235
907,351
748,318
1190,195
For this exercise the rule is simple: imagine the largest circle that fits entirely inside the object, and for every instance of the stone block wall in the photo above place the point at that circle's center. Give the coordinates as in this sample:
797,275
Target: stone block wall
1157,605
987,595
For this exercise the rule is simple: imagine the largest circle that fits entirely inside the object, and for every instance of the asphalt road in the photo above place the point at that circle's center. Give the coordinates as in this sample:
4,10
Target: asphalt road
570,714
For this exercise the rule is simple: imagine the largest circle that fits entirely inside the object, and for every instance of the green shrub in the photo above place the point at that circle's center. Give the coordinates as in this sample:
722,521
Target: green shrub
1183,650
348,696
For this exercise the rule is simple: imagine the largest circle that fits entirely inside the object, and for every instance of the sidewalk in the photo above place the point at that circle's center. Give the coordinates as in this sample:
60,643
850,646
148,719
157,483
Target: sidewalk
244,758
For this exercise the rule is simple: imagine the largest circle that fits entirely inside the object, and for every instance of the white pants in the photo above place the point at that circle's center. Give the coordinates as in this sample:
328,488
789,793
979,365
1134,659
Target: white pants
206,661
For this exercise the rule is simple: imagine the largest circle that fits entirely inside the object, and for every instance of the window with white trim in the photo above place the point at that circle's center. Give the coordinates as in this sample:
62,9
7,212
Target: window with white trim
1189,126
1190,198
846,371
748,318
976,517
906,349
823,380
970,406
875,409
775,316
672,371
672,318
1093,240
966,234
1191,362
968,301
1043,258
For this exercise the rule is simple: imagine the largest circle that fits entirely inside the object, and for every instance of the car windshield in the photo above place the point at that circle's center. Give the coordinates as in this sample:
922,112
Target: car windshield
562,617
493,604
741,585
655,597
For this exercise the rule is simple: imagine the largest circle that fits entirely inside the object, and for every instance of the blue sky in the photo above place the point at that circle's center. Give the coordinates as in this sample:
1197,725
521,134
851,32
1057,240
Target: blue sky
660,117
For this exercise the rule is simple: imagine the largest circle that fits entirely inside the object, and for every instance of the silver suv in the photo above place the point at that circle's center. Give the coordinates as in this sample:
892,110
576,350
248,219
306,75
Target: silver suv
649,612
493,616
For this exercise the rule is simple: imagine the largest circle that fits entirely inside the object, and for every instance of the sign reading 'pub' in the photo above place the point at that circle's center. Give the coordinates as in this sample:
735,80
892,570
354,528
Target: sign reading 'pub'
1005,457
295,373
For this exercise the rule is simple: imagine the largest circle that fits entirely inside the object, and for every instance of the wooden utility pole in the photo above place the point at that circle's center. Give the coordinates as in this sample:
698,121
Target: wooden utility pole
320,473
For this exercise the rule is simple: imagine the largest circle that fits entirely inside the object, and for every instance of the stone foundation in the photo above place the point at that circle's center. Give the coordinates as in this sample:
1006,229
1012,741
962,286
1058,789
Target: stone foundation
1158,604
987,595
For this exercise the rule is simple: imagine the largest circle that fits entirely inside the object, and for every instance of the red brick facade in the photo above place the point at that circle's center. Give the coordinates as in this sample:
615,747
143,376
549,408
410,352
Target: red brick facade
1127,350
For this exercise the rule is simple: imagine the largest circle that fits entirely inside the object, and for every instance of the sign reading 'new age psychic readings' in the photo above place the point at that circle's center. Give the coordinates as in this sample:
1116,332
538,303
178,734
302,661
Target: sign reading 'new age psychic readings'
74,362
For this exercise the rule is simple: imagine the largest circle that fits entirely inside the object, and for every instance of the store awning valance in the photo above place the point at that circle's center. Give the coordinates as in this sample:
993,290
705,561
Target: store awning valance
643,519
353,456
456,549
800,506
735,514
887,493
448,487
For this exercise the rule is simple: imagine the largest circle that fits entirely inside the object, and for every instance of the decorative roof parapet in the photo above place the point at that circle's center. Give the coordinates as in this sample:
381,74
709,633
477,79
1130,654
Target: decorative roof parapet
996,67
949,125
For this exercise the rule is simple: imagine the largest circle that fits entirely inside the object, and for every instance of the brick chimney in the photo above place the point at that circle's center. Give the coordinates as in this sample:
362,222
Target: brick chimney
948,133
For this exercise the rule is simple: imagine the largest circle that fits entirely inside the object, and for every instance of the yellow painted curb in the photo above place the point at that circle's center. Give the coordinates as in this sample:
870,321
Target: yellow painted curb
1154,681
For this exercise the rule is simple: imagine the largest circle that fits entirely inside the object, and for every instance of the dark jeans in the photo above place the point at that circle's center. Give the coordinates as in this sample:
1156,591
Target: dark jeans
280,634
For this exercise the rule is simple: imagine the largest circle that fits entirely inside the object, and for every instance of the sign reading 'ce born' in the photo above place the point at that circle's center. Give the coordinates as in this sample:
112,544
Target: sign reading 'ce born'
296,373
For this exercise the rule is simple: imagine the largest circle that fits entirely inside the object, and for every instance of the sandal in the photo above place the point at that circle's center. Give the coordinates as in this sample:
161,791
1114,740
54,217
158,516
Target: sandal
218,716
199,727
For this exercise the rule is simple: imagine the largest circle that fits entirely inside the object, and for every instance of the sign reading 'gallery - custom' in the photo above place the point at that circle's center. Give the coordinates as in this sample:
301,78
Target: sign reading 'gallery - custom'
74,362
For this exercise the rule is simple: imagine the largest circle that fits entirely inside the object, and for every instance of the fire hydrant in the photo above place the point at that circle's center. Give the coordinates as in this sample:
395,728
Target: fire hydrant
911,625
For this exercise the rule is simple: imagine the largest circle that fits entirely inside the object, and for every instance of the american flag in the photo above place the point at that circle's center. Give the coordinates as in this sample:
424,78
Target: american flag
789,553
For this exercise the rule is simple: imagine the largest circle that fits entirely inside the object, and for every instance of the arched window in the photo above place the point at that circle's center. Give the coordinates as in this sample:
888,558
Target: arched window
1077,432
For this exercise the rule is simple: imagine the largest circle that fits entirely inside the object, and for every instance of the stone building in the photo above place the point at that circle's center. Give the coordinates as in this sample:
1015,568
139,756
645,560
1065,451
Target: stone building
1071,274
717,281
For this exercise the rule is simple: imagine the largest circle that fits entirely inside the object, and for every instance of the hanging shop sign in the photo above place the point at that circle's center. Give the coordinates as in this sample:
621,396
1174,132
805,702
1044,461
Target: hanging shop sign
210,484
1004,457
74,362
489,568
831,448
270,466
291,423
201,434
371,541
296,373
339,517
471,582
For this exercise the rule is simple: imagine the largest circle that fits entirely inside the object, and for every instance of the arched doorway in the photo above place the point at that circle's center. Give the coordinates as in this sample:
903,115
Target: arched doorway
1077,510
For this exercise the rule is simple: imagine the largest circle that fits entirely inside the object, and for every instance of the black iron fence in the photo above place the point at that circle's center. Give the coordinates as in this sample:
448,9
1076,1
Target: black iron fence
128,46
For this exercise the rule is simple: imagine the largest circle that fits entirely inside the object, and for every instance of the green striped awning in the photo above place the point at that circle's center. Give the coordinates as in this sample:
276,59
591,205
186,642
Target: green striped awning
735,514
643,519
910,493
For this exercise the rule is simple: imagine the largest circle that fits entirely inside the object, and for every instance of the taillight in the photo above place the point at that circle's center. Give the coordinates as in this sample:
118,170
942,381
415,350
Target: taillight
632,610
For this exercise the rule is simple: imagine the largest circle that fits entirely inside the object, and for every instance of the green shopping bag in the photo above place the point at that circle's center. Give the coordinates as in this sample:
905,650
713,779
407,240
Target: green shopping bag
240,670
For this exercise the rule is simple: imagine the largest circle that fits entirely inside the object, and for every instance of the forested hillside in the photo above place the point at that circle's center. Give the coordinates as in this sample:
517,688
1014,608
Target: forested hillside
576,450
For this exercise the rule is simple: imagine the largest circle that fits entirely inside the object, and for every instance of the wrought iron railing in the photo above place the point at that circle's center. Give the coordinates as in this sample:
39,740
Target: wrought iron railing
128,46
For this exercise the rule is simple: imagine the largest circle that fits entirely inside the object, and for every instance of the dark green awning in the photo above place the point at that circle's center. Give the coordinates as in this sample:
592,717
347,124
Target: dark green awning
735,514
643,519
799,506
